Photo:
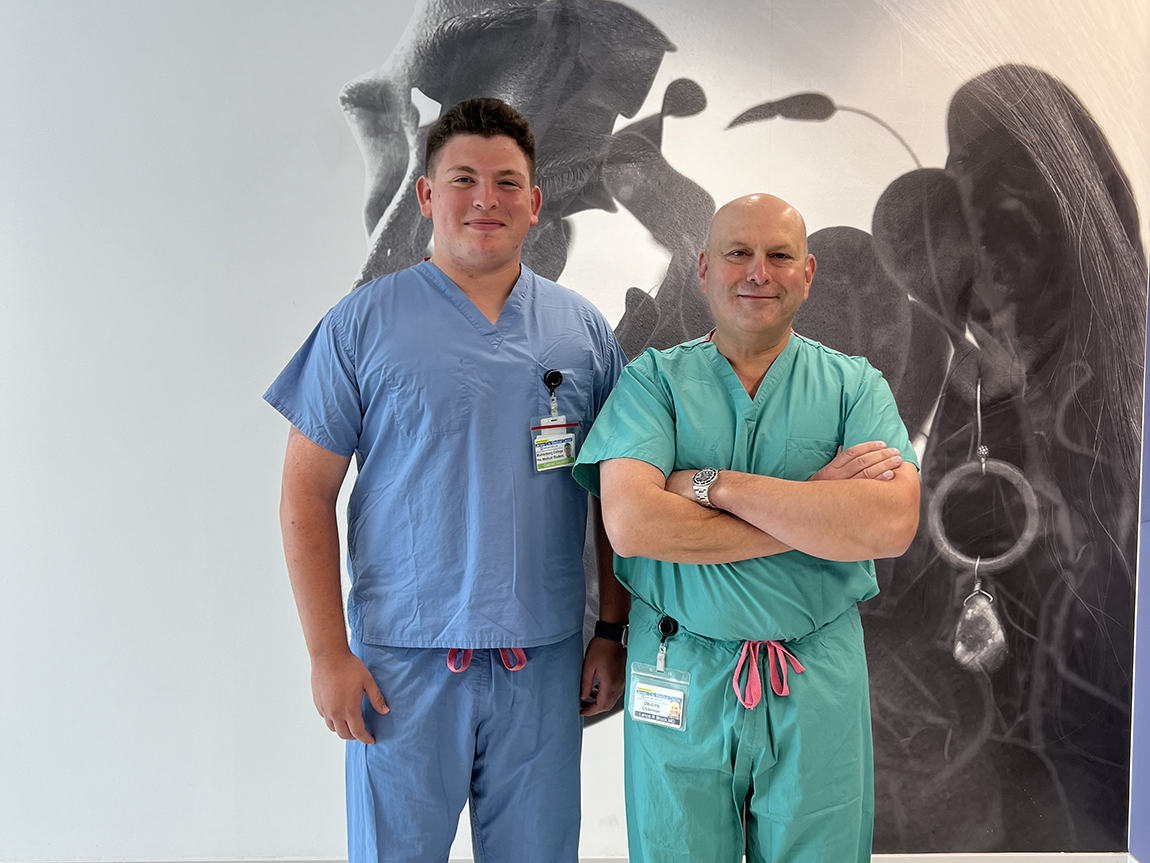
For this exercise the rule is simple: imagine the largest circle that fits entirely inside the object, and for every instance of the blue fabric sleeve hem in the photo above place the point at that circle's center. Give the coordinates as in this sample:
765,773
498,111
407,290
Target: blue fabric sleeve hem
313,434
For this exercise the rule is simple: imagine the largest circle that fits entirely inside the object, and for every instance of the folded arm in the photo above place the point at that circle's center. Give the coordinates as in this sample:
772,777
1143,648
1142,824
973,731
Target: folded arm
834,520
644,519
648,515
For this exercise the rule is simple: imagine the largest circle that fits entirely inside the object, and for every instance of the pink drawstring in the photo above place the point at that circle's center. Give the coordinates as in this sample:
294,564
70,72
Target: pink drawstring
505,654
453,654
517,652
777,656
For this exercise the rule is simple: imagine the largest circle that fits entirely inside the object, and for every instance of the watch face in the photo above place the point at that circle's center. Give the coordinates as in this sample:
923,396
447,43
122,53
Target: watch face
705,476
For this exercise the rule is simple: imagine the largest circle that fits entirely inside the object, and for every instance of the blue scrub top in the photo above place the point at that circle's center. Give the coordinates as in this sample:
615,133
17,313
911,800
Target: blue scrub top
685,408
453,539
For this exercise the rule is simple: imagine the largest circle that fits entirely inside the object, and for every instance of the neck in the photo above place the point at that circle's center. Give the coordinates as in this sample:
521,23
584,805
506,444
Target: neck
487,288
751,357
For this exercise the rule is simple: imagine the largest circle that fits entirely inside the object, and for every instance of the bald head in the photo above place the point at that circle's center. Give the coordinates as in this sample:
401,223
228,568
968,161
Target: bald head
756,271
751,212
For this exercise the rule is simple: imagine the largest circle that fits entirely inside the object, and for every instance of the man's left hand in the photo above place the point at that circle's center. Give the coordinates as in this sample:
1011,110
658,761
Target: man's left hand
603,663
870,460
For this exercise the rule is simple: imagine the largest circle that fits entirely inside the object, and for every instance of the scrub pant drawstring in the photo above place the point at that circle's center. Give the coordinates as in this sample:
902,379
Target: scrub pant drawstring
777,656
458,660
517,652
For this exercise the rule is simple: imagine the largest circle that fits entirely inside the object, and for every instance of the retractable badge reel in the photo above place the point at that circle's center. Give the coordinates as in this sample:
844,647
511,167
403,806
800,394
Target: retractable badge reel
658,694
553,435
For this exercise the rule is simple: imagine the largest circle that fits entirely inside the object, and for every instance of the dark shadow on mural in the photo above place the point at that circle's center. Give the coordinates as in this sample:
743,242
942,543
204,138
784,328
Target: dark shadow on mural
1004,298
572,68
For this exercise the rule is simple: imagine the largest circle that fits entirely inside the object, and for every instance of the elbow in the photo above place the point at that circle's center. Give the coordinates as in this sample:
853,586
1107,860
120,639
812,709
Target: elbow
624,541
899,535
623,530
901,522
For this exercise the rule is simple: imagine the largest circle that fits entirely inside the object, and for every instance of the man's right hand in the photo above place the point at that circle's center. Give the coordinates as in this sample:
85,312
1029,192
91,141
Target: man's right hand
338,684
870,460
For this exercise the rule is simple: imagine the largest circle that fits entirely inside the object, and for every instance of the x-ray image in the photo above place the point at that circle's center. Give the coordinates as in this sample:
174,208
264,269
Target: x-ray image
573,69
1003,295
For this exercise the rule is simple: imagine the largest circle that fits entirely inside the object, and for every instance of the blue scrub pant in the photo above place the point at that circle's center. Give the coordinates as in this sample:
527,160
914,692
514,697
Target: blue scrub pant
799,767
508,742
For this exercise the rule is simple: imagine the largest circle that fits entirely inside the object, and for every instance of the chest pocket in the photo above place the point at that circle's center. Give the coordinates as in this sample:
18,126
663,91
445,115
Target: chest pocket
806,456
431,400
575,396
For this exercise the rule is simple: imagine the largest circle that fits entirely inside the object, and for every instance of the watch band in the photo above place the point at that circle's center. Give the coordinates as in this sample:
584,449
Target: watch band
702,482
611,631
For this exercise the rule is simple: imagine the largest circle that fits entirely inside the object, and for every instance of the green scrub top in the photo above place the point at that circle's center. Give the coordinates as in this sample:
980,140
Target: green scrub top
685,408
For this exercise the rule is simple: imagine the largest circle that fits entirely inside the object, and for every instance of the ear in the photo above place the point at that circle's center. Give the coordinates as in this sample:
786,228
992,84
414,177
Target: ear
703,271
809,275
423,193
536,204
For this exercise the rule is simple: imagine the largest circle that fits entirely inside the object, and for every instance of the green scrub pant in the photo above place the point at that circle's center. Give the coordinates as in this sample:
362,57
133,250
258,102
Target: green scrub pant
799,767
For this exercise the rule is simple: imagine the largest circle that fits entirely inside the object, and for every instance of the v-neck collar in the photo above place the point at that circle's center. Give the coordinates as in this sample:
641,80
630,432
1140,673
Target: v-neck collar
778,372
494,333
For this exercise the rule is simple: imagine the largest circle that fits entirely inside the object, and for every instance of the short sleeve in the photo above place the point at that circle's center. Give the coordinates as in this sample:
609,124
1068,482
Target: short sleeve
609,367
317,391
636,422
874,416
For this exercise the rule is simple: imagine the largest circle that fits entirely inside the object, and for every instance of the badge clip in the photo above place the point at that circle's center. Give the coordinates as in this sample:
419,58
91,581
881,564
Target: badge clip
658,694
551,379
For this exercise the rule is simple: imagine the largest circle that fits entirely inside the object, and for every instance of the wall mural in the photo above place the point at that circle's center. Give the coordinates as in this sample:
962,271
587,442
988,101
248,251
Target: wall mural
1003,295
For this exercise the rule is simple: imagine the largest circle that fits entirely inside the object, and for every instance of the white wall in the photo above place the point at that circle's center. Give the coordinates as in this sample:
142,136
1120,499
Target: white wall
179,203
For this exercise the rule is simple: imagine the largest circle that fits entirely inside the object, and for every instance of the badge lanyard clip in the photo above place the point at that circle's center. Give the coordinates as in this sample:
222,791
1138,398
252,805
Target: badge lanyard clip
551,379
668,626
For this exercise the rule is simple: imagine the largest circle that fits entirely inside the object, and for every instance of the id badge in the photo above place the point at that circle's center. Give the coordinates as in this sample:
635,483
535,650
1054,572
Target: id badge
554,442
659,697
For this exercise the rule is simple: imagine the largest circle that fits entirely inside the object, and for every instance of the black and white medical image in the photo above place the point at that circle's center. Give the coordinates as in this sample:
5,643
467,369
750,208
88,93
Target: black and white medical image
1002,292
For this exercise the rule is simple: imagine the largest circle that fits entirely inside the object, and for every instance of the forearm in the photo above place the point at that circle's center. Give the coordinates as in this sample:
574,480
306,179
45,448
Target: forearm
834,520
614,600
311,546
660,525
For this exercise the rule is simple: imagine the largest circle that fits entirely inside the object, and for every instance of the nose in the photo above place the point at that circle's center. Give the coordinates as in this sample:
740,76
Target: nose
757,270
484,195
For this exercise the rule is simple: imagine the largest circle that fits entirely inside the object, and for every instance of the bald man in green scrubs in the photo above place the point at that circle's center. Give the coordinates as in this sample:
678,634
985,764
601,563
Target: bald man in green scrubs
747,687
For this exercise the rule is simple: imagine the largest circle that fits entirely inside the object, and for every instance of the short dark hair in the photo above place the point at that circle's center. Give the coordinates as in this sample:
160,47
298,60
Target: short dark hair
486,117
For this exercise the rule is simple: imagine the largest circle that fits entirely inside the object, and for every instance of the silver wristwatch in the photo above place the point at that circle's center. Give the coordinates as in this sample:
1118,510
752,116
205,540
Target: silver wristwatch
702,481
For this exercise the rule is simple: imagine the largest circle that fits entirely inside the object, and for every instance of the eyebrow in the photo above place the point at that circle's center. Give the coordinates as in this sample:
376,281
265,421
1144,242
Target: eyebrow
743,244
506,172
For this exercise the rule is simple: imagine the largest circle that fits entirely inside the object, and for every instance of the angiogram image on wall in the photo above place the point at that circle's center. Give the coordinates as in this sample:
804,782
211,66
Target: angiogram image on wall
999,283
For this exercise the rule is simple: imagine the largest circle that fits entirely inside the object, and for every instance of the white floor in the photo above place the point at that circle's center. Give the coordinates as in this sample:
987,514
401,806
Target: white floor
946,858
1003,858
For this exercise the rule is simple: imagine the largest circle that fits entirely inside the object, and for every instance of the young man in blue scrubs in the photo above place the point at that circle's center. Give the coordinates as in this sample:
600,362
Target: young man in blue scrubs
748,685
465,671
